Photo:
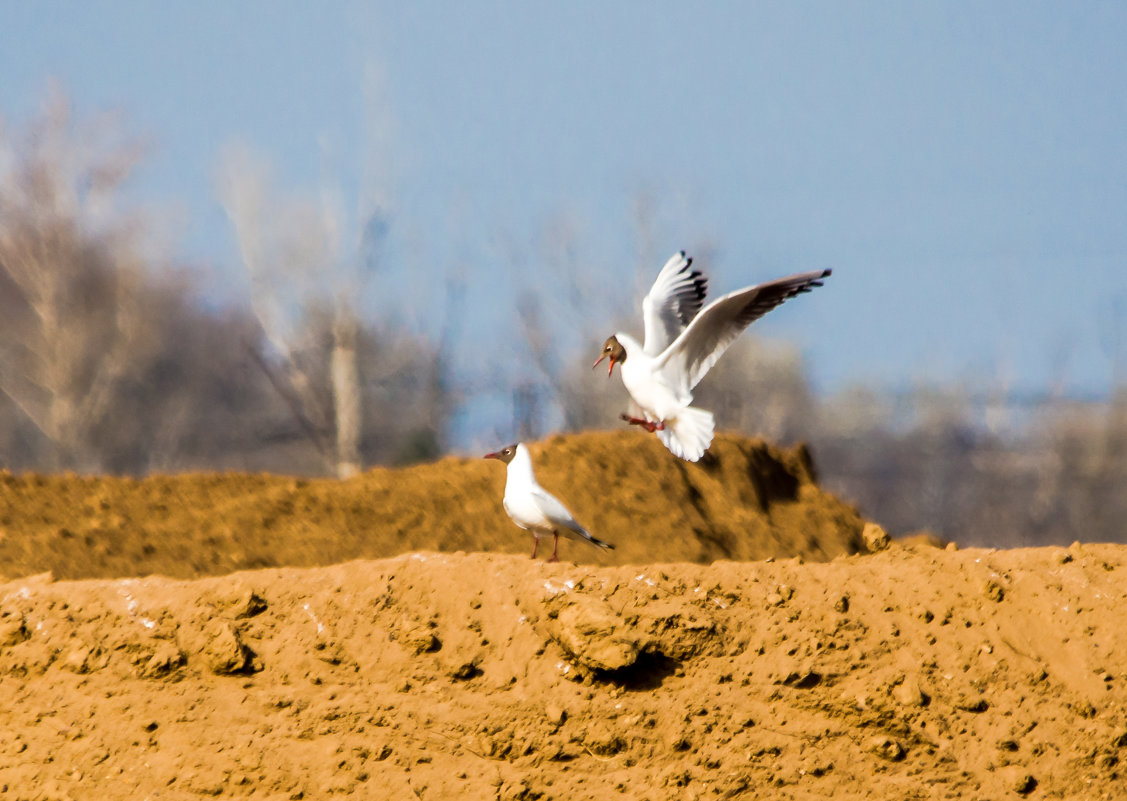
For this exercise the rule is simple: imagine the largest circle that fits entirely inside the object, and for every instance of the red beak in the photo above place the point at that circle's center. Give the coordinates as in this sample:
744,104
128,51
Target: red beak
494,455
610,367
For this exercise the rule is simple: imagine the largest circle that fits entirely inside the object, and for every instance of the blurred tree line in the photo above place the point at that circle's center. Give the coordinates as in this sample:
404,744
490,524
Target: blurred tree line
112,361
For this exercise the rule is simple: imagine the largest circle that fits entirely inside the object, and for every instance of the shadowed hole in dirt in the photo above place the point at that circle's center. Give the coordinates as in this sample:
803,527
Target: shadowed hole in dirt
251,665
647,673
803,679
467,671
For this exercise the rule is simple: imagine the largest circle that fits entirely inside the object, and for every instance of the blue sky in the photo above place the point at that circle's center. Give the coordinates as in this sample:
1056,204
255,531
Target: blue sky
961,165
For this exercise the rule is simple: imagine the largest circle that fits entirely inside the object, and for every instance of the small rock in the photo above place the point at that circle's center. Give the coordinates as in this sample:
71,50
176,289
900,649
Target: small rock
815,766
208,782
1018,780
1062,557
166,658
842,604
1119,740
603,740
555,714
593,634
970,703
875,537
681,743
885,747
225,653
78,659
249,604
908,693
993,590
329,650
419,639
12,632
464,671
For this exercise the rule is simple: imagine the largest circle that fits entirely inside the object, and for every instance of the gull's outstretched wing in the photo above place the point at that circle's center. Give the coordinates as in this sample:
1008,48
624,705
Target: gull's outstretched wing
697,348
672,302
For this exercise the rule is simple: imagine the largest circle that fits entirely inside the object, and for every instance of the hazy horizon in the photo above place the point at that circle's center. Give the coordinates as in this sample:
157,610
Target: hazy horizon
961,167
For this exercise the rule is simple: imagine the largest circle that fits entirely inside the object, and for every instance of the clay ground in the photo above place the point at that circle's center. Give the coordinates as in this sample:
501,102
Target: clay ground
913,672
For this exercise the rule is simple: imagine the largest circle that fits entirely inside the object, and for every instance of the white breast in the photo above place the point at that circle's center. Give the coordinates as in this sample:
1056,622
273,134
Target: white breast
652,390
522,508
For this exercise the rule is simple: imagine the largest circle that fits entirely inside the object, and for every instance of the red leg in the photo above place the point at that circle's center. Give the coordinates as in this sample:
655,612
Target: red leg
649,425
555,547
535,545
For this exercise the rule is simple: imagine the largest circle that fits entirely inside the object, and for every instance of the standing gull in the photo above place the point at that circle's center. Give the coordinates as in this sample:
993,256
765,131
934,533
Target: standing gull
532,508
682,342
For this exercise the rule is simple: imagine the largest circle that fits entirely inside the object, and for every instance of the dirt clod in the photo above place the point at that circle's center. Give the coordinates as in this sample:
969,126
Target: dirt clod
875,537
885,747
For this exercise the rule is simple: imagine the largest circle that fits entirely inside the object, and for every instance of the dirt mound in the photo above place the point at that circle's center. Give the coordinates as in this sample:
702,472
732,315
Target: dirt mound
925,673
749,500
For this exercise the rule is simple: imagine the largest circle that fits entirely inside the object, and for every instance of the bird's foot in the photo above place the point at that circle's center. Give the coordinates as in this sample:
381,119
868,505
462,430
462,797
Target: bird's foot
649,425
554,558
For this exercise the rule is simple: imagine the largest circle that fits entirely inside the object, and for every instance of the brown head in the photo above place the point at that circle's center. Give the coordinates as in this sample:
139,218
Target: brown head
506,454
612,348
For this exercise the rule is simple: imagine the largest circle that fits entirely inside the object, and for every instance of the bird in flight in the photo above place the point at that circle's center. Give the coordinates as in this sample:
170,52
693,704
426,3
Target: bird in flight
682,342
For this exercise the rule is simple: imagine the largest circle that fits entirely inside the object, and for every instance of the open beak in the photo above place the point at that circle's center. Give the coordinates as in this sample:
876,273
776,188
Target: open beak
610,367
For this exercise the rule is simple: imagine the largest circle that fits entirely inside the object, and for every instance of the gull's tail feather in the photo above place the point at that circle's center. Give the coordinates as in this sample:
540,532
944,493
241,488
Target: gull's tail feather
575,531
585,534
689,434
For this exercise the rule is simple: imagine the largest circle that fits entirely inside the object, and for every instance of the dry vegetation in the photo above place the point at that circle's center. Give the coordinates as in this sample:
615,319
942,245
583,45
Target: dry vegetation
111,362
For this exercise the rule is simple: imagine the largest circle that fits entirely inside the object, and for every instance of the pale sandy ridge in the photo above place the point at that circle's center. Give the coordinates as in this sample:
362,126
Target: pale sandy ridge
912,673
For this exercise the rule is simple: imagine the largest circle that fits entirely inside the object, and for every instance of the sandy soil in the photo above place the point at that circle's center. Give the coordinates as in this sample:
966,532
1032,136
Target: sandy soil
750,500
914,672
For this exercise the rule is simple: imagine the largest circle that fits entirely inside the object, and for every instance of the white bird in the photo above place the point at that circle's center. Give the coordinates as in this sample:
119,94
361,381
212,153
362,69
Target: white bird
682,342
532,508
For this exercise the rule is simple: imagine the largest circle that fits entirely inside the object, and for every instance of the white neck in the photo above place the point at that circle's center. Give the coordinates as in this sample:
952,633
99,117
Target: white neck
519,470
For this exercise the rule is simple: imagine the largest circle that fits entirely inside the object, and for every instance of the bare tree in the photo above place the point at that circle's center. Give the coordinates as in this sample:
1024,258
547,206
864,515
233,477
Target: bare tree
760,387
74,324
562,306
294,255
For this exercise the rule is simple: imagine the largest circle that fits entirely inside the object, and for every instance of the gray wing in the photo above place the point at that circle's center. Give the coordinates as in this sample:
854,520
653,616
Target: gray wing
710,333
560,517
556,513
672,302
